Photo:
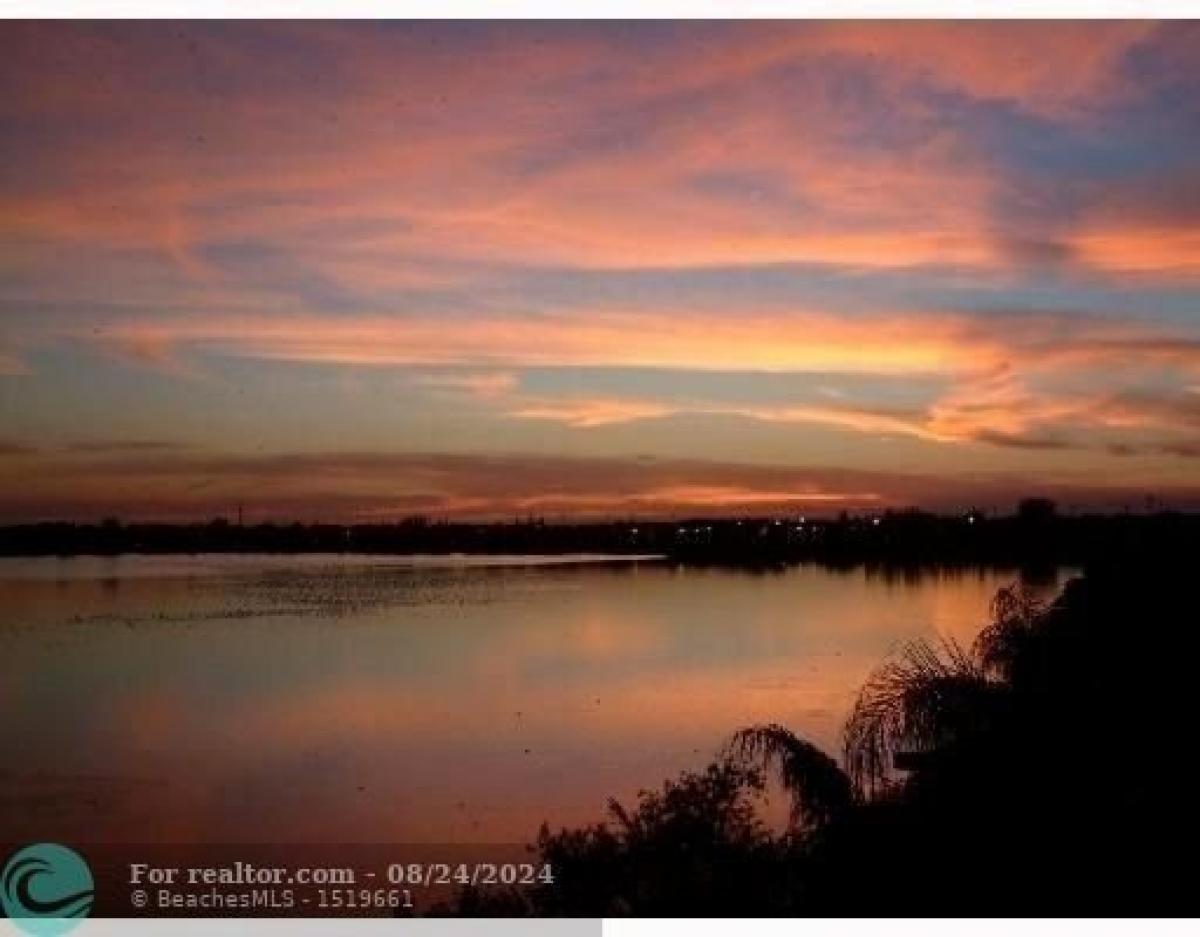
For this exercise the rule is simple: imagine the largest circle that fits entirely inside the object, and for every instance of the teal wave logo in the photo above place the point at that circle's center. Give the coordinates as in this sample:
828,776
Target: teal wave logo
46,889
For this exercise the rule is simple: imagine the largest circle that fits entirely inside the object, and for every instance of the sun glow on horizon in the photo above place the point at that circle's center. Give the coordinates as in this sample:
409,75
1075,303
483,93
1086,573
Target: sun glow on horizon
350,270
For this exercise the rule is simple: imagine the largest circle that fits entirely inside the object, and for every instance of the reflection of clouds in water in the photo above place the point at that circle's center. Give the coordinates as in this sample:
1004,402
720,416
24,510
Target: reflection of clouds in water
434,703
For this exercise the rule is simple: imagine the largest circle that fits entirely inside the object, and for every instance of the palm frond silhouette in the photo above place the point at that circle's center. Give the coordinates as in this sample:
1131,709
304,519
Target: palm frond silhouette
931,696
818,787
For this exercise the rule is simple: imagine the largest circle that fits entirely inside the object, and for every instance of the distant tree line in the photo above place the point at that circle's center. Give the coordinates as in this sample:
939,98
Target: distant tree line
1036,536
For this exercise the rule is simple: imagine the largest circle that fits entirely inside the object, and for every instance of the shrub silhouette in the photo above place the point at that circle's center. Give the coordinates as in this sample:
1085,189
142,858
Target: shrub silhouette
1041,770
695,844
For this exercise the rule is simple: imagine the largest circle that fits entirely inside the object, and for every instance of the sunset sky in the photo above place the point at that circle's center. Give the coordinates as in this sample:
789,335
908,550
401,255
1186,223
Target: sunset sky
359,271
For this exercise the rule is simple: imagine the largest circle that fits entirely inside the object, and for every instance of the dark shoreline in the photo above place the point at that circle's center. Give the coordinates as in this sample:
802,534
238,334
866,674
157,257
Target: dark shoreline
1036,537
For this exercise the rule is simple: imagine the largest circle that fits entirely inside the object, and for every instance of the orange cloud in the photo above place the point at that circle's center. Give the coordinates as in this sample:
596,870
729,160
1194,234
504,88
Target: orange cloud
486,385
592,411
1141,250
471,203
477,158
888,344
589,412
896,344
368,487
1007,379
382,486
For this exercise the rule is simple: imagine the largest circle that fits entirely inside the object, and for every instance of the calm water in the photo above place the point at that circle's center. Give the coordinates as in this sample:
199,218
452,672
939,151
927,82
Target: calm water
343,699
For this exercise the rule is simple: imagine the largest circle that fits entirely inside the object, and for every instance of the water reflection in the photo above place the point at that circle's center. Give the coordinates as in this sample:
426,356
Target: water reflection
357,699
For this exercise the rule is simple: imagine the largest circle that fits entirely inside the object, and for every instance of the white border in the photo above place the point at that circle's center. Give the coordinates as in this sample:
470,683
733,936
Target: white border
901,927
634,927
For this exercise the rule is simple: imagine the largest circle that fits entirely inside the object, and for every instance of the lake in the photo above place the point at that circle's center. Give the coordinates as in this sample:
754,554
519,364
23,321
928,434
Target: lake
241,699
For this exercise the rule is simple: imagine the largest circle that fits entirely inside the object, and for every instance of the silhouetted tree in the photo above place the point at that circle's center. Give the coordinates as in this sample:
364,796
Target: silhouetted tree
1038,771
1037,510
